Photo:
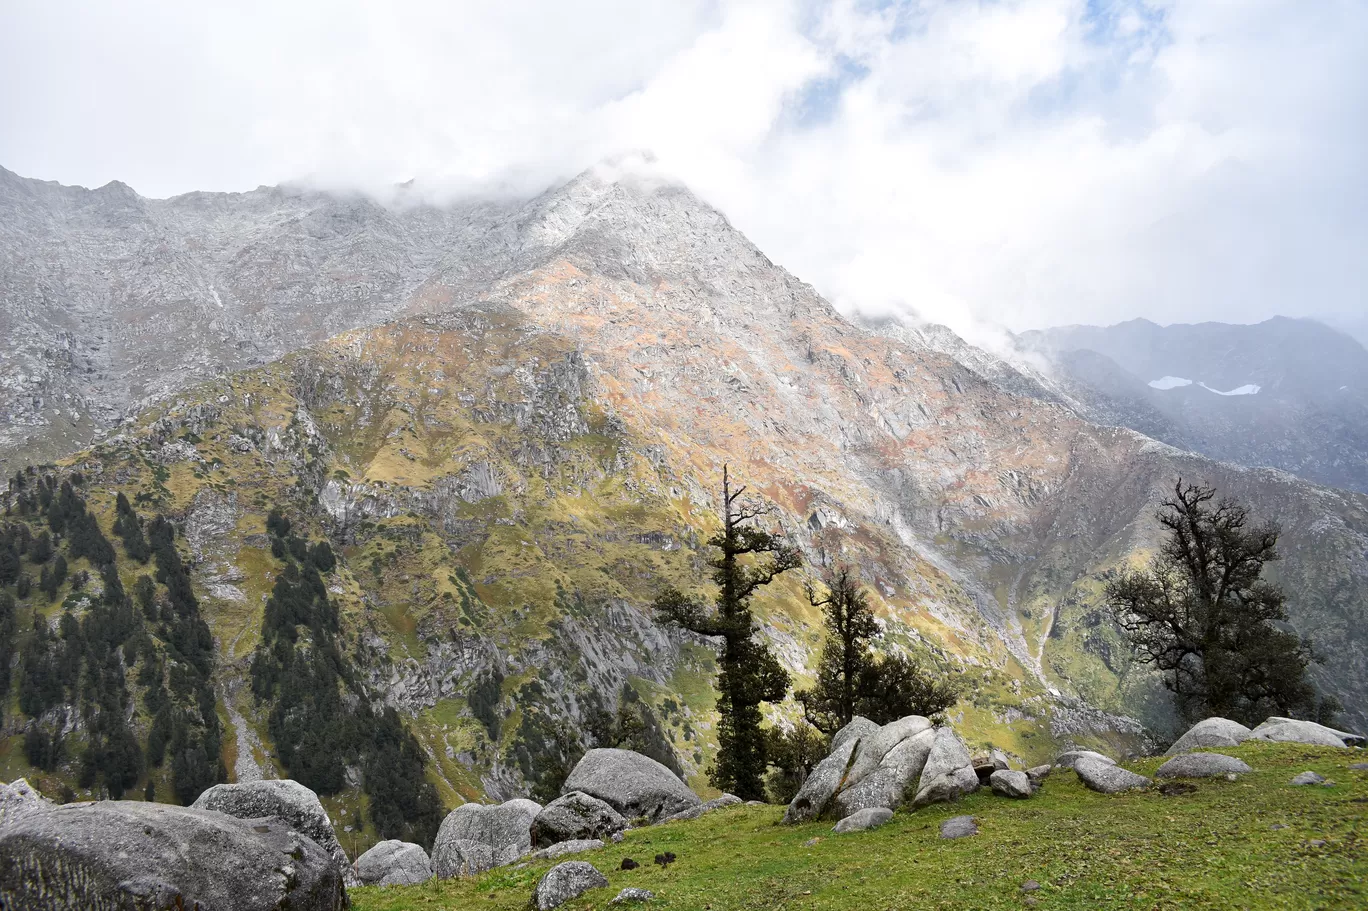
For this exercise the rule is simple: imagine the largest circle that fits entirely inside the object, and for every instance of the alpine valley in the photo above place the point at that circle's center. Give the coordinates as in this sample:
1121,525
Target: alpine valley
509,420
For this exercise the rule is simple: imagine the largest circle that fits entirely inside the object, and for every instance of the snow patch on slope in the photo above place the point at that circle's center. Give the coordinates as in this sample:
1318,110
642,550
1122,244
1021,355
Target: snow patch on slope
1247,389
1169,382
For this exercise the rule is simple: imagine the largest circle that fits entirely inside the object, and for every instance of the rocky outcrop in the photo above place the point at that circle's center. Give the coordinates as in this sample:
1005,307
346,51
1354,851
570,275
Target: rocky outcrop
1210,732
129,854
573,816
477,837
394,863
18,799
286,800
632,784
566,881
1202,765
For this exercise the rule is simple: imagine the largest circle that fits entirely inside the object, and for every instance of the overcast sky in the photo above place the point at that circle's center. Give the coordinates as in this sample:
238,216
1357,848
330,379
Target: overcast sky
1022,162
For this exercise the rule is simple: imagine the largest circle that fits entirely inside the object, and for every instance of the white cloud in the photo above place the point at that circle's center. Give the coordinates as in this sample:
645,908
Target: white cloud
1024,162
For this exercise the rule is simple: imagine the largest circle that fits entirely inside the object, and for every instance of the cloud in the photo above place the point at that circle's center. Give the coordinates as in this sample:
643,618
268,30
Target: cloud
1015,162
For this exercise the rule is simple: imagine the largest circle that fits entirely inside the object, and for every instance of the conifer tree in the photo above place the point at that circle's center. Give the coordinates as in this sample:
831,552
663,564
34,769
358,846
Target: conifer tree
748,558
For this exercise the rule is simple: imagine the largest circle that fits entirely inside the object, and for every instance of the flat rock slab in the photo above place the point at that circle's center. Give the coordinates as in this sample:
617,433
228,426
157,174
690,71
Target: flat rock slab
394,863
862,820
1210,732
958,827
562,848
1107,777
1289,730
1067,760
1008,783
566,881
1202,765
1309,778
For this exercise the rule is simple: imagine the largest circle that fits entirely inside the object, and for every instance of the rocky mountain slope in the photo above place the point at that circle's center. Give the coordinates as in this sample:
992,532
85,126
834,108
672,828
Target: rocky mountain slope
516,461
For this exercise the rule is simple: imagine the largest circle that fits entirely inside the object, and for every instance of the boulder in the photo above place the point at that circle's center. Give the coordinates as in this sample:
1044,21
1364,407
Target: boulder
633,784
1201,765
948,773
859,821
1007,783
958,827
1039,773
632,895
19,799
286,800
566,881
1359,766
1210,732
575,816
1107,777
1309,778
720,803
131,854
1067,760
505,830
985,764
394,863
1290,730
562,848
869,766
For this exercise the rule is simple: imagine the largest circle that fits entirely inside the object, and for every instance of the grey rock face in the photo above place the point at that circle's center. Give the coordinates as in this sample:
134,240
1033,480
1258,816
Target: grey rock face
1210,732
1289,730
503,830
1007,783
575,815
948,773
566,881
859,726
958,827
1201,765
130,854
1039,773
394,863
562,848
627,896
870,766
633,784
284,799
860,820
19,799
1309,778
1107,777
1067,760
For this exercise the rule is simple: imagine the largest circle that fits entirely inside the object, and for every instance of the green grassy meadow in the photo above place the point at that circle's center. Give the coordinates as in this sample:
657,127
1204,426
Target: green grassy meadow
1214,848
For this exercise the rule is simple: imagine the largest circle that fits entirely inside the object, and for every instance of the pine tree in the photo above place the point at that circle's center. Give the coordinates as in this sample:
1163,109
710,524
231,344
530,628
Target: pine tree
845,660
748,559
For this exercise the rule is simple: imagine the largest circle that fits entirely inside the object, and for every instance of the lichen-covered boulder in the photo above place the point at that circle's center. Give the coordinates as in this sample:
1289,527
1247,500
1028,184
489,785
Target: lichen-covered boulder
130,854
1291,730
949,771
18,799
1107,777
1210,732
1201,765
868,767
284,799
633,784
394,863
566,881
575,816
477,837
1010,783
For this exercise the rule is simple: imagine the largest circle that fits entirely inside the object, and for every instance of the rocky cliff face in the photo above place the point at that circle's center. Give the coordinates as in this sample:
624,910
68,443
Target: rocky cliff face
513,465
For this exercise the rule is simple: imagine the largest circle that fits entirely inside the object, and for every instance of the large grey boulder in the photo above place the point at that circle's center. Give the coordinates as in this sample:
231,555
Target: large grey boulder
1067,760
566,881
286,800
869,767
477,837
949,771
1009,783
1210,732
130,854
19,799
862,820
394,863
633,784
1107,777
575,816
1202,765
1290,730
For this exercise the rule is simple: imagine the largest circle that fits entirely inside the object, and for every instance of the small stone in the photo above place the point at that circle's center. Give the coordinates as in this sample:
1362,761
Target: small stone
617,838
1039,773
1030,885
1309,778
1276,826
811,842
1359,766
958,827
1317,843
632,895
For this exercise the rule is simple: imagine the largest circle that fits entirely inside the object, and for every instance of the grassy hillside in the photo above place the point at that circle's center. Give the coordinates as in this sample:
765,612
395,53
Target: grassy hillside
1215,848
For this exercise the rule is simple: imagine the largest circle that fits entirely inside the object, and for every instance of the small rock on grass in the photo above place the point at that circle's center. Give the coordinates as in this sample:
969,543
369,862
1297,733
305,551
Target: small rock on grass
859,821
811,842
627,896
1359,766
1106,777
1030,885
958,827
1311,778
566,881
1201,765
1007,783
1039,773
